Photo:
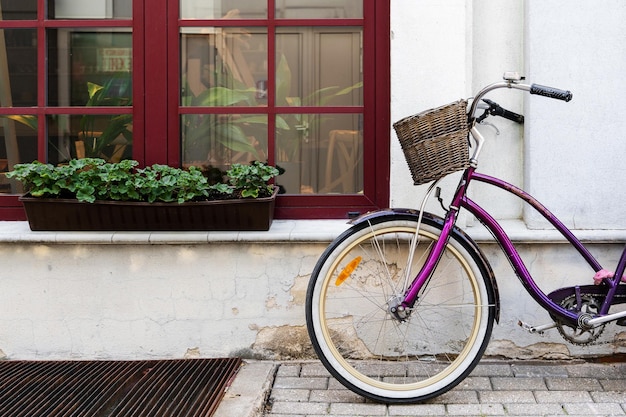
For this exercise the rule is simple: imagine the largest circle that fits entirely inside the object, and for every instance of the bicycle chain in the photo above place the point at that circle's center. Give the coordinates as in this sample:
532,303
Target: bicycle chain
585,299
589,303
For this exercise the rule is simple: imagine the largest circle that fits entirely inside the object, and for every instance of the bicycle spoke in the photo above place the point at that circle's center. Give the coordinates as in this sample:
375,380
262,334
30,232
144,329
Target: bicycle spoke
383,353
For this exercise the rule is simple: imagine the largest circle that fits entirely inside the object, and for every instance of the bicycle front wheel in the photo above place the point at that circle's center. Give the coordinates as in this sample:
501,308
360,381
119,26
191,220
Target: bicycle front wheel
357,331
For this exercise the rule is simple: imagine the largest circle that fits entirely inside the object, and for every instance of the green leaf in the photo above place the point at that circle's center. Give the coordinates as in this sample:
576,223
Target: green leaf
250,192
28,120
233,137
86,193
253,119
294,101
93,89
350,89
281,123
283,81
221,96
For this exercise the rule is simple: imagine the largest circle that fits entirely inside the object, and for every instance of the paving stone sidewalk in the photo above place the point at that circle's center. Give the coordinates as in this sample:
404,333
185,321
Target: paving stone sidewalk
495,388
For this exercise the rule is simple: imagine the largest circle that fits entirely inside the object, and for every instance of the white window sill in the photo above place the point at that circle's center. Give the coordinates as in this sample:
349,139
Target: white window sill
281,231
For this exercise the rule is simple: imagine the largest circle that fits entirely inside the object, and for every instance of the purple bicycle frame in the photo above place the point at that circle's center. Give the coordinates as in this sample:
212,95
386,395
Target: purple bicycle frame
461,200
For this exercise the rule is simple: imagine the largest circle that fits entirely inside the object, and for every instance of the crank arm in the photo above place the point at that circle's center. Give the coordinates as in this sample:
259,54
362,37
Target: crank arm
604,319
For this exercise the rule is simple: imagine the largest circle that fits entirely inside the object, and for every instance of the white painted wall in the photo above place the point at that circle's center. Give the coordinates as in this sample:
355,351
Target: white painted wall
430,66
570,156
444,52
576,152
497,46
140,300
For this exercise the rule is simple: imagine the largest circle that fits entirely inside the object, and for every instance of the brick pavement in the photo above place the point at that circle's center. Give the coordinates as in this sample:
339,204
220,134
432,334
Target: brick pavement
495,388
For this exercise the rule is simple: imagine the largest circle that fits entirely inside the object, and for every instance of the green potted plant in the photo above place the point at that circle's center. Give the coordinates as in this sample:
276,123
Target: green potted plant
92,194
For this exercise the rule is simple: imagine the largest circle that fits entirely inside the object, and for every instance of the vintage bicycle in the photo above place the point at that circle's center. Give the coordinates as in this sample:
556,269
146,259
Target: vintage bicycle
401,306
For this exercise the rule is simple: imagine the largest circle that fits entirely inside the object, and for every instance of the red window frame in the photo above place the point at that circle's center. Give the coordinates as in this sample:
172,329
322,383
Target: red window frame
10,207
156,90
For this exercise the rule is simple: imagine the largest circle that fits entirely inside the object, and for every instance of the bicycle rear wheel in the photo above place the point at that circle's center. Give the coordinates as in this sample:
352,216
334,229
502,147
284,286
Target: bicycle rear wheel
363,344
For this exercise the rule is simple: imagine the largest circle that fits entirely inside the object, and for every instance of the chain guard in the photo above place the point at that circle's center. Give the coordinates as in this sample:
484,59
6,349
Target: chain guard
586,299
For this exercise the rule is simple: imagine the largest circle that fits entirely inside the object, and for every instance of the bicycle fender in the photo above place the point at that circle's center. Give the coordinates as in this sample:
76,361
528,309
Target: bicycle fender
463,237
384,212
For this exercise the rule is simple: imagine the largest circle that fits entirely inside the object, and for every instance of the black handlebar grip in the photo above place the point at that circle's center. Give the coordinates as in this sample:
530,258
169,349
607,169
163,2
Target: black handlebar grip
551,92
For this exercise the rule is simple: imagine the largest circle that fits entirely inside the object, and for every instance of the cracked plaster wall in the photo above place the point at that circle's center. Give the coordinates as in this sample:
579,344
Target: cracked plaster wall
171,301
129,301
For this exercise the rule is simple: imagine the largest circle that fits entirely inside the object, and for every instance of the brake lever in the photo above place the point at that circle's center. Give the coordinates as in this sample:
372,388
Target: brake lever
483,116
491,110
496,110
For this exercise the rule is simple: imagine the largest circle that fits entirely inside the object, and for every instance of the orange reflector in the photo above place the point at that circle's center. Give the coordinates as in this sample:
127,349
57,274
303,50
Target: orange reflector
349,269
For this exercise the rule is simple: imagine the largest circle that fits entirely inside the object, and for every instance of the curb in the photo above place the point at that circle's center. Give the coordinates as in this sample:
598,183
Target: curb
247,394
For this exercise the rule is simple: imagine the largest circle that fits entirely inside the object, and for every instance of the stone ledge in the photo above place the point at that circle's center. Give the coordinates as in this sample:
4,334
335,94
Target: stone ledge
281,231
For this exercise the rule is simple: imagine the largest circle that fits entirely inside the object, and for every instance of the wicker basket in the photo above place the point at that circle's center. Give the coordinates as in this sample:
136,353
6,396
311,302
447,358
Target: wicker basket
435,141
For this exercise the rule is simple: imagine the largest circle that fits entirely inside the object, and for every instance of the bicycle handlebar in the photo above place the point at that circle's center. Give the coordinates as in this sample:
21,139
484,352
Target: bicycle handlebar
514,83
511,80
551,92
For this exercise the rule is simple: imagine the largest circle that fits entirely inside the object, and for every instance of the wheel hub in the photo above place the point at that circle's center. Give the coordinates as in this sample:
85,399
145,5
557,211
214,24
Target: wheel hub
398,310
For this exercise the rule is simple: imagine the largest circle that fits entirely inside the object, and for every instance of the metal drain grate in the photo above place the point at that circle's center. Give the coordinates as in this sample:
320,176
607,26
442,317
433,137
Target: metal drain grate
176,388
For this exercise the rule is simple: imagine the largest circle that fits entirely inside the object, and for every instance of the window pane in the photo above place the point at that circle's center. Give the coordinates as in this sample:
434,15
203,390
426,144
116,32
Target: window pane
219,140
18,71
319,9
319,67
89,68
320,153
19,9
223,9
90,136
224,67
90,9
18,143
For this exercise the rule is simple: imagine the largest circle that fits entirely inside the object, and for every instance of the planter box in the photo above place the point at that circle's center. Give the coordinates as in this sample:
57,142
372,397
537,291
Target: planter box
50,214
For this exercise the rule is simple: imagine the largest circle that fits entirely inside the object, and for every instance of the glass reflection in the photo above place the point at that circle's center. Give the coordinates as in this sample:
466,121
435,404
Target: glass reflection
109,137
18,67
225,67
223,9
319,66
90,9
81,63
18,144
18,9
219,140
319,9
321,154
